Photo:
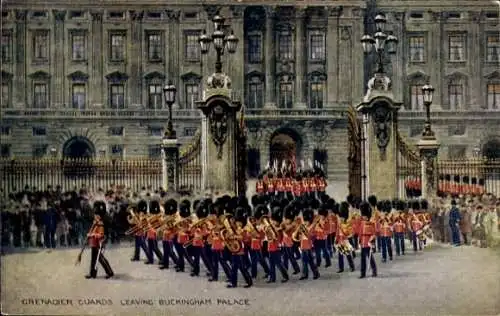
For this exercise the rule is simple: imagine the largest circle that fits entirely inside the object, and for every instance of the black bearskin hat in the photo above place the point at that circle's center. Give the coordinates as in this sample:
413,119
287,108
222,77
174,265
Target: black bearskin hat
415,205
394,203
154,207
201,210
344,210
401,206
170,206
259,211
372,199
233,202
196,203
365,209
350,200
100,208
314,203
242,201
275,204
357,202
212,210
284,202
277,214
387,206
185,208
424,205
142,206
323,210
335,208
308,215
289,212
255,199
380,206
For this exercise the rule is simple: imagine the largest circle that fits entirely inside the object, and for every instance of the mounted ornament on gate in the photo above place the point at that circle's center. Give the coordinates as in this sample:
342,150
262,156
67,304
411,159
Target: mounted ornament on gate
218,128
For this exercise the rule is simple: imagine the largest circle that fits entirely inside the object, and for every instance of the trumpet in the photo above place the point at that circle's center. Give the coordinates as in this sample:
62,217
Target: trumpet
269,229
132,218
301,230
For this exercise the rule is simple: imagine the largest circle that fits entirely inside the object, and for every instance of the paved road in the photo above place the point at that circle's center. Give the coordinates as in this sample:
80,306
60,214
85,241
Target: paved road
440,281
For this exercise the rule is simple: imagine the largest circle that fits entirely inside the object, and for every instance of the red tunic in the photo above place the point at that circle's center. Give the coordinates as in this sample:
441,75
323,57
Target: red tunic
399,227
297,188
312,185
288,185
342,233
356,225
280,186
151,234
385,228
320,184
273,246
259,187
305,185
320,233
415,224
287,241
97,234
332,224
217,243
305,244
270,186
198,238
168,235
366,233
182,238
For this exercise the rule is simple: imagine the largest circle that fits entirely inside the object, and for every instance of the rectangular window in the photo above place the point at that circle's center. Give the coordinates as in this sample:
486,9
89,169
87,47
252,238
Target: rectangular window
255,94
5,130
417,48
494,96
39,131
156,131
77,14
456,47
316,95
5,150
78,47
154,47
6,47
255,48
192,48
40,96
456,96
5,95
155,96
117,96
285,47
192,95
417,98
493,48
457,151
39,150
78,96
41,45
117,47
190,131
116,15
154,151
116,151
115,131
317,47
286,95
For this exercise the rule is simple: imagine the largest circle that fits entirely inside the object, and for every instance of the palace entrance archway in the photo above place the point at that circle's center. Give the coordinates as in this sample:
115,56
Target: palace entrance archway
285,146
491,149
78,147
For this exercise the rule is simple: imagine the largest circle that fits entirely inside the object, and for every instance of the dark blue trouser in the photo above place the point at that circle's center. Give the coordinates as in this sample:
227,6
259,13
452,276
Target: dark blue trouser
139,243
256,258
399,241
217,256
289,256
153,250
365,253
275,262
379,243
386,247
416,242
49,238
307,261
455,234
196,253
330,241
320,249
237,265
349,260
168,252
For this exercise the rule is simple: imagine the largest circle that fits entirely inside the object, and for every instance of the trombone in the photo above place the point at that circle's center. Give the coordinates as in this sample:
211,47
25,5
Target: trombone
269,229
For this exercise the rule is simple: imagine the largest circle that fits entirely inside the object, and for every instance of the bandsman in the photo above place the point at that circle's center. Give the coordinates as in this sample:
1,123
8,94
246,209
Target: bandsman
170,208
239,253
305,235
321,235
385,231
140,235
287,228
344,231
256,240
152,235
367,236
270,227
399,228
217,243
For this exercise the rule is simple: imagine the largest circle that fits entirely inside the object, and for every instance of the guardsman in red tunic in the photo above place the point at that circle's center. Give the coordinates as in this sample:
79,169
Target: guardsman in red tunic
385,231
96,243
182,230
169,234
273,246
312,186
287,228
198,233
321,185
288,184
237,257
343,232
280,185
399,229
304,234
321,235
260,187
366,238
152,235
332,223
256,239
297,187
139,233
415,225
271,189
305,185
217,246
375,206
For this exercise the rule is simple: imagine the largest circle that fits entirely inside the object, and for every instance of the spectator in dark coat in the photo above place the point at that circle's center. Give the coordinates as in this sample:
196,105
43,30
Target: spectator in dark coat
454,222
50,221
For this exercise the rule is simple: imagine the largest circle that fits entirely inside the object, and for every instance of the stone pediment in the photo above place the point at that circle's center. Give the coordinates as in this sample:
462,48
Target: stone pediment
154,75
117,76
419,75
318,74
6,75
257,74
191,76
493,75
78,76
40,75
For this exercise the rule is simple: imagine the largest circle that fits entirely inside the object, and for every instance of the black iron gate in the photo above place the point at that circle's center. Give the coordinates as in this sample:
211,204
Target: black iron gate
355,155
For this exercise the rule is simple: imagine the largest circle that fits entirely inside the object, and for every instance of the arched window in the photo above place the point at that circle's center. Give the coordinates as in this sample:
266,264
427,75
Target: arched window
415,100
255,91
154,83
41,96
192,90
285,91
493,91
316,90
456,92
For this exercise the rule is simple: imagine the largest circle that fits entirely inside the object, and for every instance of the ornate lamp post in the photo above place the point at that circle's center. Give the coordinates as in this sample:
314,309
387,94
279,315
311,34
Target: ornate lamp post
220,41
380,43
169,92
428,93
170,148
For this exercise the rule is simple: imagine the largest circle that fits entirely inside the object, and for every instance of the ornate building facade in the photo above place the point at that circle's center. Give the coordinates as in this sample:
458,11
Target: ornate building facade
79,80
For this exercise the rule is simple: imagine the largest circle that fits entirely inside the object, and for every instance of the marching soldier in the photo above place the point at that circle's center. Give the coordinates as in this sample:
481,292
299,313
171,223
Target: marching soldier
374,204
152,236
321,234
96,241
366,238
182,227
260,186
332,223
140,235
399,228
256,238
237,256
344,231
287,228
386,231
415,226
217,244
273,246
169,235
198,232
304,233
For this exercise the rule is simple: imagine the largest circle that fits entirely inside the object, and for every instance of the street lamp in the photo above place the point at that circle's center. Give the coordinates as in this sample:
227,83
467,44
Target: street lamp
380,42
169,92
427,92
477,152
220,41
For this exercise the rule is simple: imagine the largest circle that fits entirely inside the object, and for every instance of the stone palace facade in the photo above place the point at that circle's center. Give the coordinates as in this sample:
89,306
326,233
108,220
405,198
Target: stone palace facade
81,80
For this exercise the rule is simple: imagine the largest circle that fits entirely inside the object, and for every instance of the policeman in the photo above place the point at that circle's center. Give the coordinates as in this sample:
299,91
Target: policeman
367,236
96,238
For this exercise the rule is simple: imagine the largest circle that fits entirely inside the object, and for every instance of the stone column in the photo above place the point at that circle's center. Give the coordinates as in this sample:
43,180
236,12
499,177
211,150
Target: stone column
204,152
428,148
135,81
475,61
270,59
174,47
437,54
170,174
300,69
97,75
221,138
237,60
59,86
20,91
332,55
381,149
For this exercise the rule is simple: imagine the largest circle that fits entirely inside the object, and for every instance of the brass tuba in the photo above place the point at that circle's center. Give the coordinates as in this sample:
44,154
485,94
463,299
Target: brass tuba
229,236
301,230
269,229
